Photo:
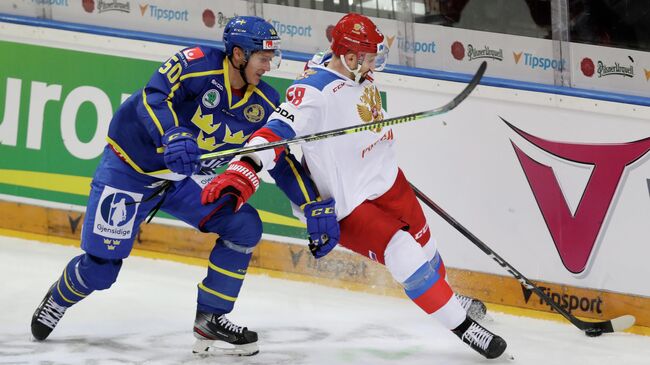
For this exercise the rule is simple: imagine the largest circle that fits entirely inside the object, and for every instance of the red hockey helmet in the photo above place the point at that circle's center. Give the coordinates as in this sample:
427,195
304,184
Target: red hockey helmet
357,33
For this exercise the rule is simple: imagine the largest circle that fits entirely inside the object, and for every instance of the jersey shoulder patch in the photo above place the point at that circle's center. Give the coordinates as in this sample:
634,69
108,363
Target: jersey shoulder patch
201,58
192,54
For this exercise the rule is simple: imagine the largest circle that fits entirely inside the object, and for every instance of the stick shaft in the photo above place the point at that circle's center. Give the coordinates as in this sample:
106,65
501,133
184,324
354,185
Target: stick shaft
356,128
604,326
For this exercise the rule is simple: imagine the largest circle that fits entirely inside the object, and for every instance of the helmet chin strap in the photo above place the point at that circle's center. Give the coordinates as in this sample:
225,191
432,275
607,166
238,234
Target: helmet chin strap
241,69
358,77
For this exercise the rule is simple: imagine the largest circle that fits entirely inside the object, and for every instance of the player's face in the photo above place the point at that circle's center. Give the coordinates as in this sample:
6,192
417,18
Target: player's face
259,63
368,63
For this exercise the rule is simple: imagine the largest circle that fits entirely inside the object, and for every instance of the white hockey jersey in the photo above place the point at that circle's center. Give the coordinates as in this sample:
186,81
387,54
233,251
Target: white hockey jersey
349,168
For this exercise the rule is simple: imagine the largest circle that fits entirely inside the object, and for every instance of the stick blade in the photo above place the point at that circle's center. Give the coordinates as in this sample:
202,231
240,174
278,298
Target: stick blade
623,322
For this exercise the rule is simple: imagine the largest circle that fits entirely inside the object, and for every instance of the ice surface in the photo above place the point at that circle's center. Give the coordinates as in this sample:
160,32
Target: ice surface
147,317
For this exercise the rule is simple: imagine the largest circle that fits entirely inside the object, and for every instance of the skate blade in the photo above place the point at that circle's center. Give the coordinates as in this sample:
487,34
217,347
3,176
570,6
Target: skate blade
218,348
487,318
479,316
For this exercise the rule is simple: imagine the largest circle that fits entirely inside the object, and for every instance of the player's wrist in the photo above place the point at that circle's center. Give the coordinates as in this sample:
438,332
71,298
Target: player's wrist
246,170
253,161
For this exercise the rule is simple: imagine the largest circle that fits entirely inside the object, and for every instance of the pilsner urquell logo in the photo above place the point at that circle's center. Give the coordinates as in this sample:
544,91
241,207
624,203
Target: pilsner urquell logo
485,52
114,5
616,69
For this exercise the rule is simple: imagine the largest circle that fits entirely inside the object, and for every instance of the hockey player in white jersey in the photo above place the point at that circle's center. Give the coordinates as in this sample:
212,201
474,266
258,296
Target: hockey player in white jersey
357,176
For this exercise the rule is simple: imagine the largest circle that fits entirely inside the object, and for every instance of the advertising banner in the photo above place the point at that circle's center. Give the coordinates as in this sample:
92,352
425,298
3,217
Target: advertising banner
558,186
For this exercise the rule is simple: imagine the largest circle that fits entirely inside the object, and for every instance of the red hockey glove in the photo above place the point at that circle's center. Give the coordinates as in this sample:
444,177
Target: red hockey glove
239,180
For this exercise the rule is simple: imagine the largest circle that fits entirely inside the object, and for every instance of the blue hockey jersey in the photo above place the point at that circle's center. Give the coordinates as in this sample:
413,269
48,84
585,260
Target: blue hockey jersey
191,90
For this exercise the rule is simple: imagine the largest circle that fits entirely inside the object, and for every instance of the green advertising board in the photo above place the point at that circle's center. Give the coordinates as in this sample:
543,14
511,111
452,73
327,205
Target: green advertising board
56,105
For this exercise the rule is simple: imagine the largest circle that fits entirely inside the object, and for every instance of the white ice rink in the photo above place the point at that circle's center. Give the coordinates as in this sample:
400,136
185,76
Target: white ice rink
147,317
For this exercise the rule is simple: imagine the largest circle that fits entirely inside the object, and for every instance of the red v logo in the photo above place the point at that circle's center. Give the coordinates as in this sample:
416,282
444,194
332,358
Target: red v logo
575,235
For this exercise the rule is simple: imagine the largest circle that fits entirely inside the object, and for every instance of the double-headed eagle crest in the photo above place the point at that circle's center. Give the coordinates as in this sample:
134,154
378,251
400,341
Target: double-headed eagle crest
370,108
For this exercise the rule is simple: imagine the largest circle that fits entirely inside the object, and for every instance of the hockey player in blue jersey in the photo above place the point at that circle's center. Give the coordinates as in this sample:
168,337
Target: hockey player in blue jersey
200,100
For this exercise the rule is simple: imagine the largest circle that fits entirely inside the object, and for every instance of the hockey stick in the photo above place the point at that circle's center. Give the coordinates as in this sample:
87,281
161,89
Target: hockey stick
356,128
591,329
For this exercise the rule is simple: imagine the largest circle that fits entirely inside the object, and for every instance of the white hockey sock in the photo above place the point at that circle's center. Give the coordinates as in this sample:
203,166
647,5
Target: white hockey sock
450,315
403,256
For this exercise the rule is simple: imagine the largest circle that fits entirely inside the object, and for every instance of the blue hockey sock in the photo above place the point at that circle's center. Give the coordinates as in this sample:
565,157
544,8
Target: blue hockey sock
227,269
70,288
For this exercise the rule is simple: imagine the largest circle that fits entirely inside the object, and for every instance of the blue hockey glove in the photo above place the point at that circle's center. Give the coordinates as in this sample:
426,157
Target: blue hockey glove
322,226
181,151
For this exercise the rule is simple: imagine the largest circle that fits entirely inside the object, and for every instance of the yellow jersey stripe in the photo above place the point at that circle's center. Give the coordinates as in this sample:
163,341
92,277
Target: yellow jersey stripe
202,73
169,102
171,109
226,80
67,284
260,93
247,95
301,183
151,113
130,161
216,293
61,294
226,272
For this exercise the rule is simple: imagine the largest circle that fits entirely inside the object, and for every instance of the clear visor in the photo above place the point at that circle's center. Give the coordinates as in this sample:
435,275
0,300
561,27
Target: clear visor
376,61
276,58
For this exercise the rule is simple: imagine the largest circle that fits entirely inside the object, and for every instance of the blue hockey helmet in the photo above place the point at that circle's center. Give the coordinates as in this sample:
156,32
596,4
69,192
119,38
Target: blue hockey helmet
252,34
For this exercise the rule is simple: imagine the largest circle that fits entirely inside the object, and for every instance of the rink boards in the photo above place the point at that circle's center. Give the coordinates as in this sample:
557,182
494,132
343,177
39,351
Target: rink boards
341,268
557,185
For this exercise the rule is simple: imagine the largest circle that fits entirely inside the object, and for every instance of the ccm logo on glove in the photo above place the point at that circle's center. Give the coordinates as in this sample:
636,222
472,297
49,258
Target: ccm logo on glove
173,136
181,151
322,226
320,211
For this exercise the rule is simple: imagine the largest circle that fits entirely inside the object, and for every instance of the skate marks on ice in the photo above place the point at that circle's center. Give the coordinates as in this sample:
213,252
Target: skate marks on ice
297,345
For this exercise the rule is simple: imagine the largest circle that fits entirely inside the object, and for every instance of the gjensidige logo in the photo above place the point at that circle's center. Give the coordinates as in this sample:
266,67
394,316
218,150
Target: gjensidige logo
116,213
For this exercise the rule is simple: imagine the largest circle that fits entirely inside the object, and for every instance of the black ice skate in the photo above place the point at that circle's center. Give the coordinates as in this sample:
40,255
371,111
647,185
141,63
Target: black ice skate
481,340
210,328
475,309
46,316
